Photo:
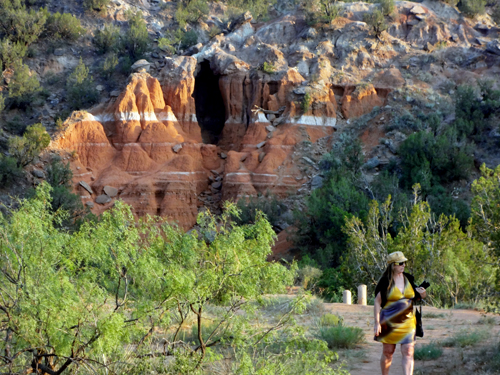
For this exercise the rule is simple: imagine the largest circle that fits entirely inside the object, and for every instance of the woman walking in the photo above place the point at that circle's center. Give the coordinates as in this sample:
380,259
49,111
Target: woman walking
394,319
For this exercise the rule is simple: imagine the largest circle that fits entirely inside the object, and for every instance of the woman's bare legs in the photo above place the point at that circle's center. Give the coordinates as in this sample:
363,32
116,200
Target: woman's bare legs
407,352
386,359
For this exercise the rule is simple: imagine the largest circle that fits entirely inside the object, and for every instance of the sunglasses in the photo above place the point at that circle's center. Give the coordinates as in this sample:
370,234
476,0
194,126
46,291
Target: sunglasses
400,264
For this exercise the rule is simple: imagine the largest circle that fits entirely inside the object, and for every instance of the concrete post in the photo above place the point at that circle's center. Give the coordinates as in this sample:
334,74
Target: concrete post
361,294
346,298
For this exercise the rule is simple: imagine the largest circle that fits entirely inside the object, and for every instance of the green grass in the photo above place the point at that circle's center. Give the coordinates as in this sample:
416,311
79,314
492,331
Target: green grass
487,320
428,352
341,337
465,338
432,315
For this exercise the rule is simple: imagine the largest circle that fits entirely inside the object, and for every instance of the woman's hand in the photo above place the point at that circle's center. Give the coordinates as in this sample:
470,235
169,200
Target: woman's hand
377,329
422,292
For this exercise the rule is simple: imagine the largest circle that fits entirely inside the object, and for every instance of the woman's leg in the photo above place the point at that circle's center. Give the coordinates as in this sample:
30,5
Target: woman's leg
386,359
407,352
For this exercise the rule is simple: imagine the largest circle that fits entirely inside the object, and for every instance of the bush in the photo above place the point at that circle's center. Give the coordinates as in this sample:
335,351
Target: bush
26,148
306,103
465,338
11,52
191,12
323,11
472,7
342,337
109,65
95,5
308,274
64,26
20,25
268,68
136,40
376,21
330,320
107,39
270,205
24,85
428,159
427,352
80,87
190,38
388,7
258,8
9,170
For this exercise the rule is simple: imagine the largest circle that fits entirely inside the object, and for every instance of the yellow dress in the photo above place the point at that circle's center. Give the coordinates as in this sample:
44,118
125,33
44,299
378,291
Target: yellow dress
396,318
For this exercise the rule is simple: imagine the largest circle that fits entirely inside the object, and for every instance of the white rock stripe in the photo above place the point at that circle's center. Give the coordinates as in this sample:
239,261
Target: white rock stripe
315,121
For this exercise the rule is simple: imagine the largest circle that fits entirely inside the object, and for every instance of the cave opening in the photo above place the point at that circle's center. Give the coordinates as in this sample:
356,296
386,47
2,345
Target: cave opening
210,109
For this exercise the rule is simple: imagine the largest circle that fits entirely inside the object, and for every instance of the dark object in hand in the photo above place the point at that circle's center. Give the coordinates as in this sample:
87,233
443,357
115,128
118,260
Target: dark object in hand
425,284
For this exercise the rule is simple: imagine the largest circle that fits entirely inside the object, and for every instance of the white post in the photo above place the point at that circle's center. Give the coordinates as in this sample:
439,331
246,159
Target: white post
362,294
346,298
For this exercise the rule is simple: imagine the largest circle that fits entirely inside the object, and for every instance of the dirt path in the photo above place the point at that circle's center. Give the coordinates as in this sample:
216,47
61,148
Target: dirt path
438,325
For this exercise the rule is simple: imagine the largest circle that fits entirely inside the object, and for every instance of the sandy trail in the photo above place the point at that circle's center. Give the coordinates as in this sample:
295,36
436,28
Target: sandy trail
439,325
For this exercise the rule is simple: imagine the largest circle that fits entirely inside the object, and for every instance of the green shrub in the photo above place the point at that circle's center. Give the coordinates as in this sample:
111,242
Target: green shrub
24,85
80,88
95,5
306,103
442,202
308,274
268,68
427,159
427,352
107,39
190,38
258,8
474,109
214,31
109,65
2,103
376,22
472,7
330,320
465,338
270,205
64,26
341,337
26,148
136,40
388,7
496,14
11,52
9,170
190,12
487,320
321,11
20,25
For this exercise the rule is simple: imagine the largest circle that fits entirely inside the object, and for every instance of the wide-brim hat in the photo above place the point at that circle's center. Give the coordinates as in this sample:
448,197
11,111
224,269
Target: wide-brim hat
396,257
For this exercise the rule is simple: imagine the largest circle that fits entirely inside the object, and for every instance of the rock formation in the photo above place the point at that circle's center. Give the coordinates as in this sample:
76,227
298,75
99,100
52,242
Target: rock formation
227,119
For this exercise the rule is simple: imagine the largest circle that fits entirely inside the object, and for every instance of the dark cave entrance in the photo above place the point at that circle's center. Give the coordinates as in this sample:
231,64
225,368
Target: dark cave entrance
210,110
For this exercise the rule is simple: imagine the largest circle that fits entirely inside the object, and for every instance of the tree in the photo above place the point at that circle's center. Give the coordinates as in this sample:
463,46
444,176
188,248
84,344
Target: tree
93,299
20,25
63,26
136,39
457,265
472,7
26,148
24,85
95,5
11,52
376,21
107,39
80,87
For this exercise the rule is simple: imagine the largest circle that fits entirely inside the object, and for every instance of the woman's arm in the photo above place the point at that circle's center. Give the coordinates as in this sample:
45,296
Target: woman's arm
376,315
422,292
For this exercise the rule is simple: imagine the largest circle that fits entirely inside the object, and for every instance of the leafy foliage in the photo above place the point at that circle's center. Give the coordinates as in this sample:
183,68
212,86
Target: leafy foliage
26,148
388,7
89,294
20,25
472,7
80,88
324,11
107,39
11,52
474,110
250,209
95,5
109,65
9,170
24,85
190,12
189,38
306,103
64,26
136,40
437,250
258,8
339,336
376,21
428,352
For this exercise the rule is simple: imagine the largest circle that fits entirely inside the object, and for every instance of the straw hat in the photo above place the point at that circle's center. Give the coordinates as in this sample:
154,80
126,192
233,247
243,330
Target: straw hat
396,257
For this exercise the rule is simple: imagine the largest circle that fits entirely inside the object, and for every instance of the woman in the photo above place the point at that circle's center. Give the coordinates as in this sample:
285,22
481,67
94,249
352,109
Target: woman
394,319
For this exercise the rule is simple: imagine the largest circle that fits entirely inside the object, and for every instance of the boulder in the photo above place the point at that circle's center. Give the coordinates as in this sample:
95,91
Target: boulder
141,64
89,204
177,148
493,47
38,173
110,191
86,186
103,199
316,182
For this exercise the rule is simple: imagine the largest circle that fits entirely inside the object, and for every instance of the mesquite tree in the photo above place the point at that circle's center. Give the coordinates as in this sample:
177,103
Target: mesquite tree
116,294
